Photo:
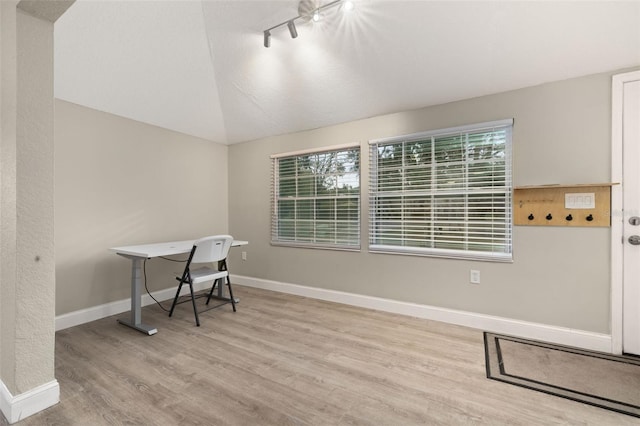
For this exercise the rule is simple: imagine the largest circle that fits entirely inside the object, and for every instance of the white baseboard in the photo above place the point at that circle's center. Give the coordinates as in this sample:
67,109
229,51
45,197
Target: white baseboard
529,330
82,316
16,408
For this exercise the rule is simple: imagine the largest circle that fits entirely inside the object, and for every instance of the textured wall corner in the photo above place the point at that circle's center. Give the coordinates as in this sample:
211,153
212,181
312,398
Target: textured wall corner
8,188
27,285
35,271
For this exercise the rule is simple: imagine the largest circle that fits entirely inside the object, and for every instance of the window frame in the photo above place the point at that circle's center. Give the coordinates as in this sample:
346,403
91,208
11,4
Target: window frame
376,217
276,240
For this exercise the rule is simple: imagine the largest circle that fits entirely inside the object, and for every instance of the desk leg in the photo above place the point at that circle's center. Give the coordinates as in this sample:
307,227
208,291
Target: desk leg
221,291
222,266
136,300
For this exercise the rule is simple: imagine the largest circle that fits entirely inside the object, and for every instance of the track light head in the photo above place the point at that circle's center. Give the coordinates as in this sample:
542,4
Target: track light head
308,10
292,29
267,38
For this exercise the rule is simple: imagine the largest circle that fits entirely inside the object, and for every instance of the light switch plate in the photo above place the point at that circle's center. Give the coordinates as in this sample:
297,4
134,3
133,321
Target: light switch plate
580,200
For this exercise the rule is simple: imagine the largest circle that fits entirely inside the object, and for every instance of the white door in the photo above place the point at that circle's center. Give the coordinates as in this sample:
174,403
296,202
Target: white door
631,215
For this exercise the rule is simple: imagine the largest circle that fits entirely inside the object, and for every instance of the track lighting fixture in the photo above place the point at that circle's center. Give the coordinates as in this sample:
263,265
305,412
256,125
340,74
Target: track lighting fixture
307,10
292,29
267,38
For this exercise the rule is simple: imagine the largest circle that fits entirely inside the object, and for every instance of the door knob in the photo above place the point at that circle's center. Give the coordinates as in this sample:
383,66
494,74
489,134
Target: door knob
635,240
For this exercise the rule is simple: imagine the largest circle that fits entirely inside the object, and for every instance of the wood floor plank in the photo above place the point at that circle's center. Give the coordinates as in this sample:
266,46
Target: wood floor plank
289,360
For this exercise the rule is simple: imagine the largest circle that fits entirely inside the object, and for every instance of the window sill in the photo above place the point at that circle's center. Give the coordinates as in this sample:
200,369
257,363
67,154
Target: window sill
315,246
443,253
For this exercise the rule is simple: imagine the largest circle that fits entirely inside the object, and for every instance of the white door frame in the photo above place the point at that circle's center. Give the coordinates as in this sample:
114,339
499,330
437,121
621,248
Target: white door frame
617,216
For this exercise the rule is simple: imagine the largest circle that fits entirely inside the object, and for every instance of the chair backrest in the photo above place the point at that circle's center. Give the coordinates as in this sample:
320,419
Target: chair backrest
212,249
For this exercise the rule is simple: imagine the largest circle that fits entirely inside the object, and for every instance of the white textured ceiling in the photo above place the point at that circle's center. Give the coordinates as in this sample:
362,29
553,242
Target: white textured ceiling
200,68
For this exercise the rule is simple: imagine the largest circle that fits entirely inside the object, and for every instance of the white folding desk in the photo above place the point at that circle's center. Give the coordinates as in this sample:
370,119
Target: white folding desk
147,251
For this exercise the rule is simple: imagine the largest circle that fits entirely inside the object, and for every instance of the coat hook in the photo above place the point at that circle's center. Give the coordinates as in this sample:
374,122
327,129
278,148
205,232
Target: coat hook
589,218
549,217
530,217
569,218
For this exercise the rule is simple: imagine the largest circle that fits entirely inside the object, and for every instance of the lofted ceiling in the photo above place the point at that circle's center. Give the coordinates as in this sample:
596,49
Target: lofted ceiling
200,67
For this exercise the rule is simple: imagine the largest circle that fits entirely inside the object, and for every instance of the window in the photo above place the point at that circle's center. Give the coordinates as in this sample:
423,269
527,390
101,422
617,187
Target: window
443,193
316,199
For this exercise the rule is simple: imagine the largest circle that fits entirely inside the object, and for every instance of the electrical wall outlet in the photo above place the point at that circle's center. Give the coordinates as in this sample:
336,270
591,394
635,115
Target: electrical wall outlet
474,276
244,255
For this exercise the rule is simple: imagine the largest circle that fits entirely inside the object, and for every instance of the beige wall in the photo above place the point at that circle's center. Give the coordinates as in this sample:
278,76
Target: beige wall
559,276
121,182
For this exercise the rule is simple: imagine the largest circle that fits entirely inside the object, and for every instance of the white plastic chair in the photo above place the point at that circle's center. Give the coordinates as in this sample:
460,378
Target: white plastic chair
210,250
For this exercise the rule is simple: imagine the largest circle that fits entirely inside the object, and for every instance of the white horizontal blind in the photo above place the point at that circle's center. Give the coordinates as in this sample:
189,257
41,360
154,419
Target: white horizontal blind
444,193
316,199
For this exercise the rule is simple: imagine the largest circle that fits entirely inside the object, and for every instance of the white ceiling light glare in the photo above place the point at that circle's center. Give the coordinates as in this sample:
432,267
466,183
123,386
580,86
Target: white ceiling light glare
308,10
348,5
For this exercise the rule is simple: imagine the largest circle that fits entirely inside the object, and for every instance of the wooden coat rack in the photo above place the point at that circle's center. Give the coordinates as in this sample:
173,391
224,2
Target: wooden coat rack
563,205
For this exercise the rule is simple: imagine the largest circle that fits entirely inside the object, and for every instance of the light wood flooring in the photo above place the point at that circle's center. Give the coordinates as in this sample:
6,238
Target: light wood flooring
289,360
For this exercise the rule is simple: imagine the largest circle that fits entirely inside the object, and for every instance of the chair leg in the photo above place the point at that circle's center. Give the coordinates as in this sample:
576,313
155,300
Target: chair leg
193,301
233,301
211,291
175,299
